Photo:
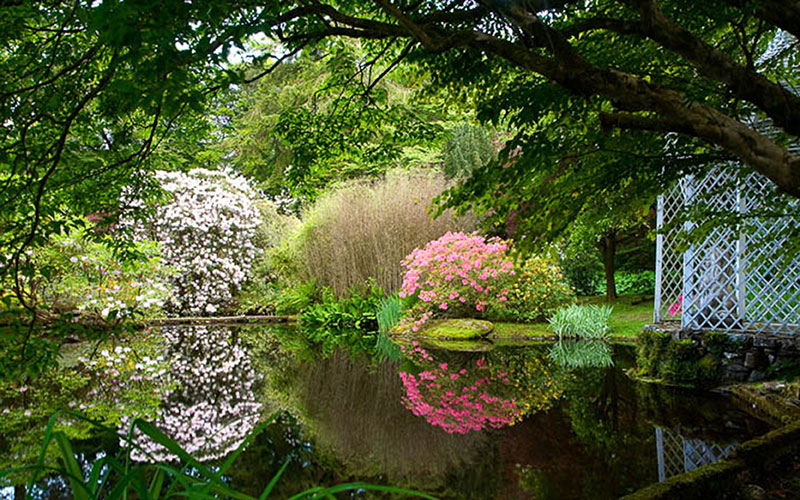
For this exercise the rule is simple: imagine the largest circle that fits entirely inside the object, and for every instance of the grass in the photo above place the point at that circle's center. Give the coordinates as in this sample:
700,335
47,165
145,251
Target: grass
119,478
630,314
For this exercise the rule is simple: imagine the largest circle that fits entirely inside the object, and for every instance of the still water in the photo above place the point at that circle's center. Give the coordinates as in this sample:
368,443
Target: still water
466,421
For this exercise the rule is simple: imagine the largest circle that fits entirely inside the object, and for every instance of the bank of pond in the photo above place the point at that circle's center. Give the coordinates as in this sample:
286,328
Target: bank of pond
482,420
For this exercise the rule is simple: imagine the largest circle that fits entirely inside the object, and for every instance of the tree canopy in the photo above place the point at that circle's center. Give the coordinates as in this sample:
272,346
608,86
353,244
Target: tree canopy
647,89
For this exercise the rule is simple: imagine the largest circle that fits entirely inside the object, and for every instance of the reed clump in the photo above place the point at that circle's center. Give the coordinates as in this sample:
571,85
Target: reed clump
364,230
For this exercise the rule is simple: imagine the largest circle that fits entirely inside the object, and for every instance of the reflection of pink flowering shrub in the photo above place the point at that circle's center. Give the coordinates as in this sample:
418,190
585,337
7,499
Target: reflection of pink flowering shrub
458,401
457,271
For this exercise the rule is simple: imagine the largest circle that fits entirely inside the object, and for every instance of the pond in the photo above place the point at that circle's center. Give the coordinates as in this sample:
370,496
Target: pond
475,421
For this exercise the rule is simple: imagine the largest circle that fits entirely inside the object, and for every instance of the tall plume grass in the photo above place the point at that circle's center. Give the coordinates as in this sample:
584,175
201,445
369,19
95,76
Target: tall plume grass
364,230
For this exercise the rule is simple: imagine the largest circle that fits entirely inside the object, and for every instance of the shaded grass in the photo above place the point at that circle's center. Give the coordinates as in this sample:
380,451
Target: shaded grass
628,318
626,321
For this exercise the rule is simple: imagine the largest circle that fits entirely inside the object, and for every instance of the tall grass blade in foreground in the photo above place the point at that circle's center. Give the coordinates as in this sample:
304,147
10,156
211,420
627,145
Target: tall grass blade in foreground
587,322
118,478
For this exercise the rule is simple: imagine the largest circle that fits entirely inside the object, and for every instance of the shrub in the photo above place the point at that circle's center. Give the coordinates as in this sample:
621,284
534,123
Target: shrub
581,266
261,293
537,290
582,321
457,274
79,272
295,298
364,230
207,232
629,283
467,149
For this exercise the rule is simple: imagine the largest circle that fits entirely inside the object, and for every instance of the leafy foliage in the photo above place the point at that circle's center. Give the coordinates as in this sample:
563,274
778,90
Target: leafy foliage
78,271
467,149
536,290
356,312
320,118
117,477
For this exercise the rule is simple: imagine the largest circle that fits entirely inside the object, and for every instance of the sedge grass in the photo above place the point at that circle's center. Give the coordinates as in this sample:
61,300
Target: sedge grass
585,322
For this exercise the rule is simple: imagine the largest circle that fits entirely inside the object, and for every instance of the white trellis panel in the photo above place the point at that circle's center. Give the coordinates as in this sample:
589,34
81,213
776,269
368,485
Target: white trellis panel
669,258
736,278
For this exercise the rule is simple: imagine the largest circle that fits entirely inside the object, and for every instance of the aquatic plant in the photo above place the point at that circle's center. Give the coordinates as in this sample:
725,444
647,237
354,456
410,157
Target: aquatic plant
456,274
589,321
119,477
206,230
356,311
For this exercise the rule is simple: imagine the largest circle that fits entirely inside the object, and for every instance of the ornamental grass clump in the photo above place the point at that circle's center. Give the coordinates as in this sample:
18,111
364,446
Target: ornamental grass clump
457,275
590,321
362,230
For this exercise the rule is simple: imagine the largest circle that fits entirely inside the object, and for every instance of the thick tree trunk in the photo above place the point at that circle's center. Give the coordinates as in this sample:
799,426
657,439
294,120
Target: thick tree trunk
609,244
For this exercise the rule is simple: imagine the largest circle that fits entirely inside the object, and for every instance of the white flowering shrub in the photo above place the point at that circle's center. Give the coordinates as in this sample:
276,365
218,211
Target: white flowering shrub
206,230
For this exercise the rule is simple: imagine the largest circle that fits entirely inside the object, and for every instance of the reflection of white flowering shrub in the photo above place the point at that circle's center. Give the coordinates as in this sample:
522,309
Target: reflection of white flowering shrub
212,407
206,232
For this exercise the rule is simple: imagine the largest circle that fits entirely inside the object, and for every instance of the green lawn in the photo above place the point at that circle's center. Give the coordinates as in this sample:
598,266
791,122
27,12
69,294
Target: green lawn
630,314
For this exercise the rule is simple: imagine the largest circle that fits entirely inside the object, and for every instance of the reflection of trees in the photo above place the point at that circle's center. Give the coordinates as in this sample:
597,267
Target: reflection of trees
354,407
213,407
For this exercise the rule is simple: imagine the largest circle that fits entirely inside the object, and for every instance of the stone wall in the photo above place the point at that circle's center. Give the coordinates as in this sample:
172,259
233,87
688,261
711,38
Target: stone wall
747,358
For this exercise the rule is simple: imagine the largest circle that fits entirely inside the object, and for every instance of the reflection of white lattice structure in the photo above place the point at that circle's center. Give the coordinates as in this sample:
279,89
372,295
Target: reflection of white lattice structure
677,454
732,280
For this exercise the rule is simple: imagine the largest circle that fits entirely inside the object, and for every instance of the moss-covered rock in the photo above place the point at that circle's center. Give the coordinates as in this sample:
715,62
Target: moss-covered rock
459,345
449,329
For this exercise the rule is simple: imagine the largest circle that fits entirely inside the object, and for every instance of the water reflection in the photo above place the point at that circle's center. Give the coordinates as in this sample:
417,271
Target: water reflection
213,407
475,393
678,454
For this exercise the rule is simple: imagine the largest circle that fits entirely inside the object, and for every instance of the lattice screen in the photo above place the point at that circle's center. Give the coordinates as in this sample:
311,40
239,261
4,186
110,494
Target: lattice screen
732,280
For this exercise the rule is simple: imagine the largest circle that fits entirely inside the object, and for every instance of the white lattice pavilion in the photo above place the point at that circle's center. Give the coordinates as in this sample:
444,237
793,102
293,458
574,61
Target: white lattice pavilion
736,279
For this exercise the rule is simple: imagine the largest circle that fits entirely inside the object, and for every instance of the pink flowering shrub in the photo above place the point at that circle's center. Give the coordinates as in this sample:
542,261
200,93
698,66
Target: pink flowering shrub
458,400
456,275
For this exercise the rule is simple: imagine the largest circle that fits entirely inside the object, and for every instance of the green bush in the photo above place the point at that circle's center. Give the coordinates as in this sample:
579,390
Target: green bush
680,361
364,230
295,298
537,289
79,272
589,321
629,283
468,148
580,264
272,270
